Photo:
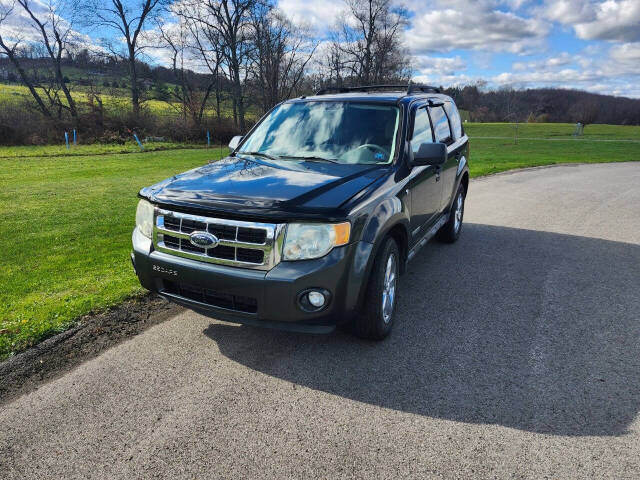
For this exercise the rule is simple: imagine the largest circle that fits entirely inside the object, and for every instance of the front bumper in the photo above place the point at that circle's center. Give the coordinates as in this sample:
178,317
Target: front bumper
265,298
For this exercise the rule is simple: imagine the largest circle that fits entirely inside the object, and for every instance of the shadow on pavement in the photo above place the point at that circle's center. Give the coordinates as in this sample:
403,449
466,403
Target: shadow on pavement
526,329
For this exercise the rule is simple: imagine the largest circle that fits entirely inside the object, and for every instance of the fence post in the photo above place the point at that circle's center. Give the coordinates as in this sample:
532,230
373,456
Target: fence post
66,139
208,139
139,142
74,137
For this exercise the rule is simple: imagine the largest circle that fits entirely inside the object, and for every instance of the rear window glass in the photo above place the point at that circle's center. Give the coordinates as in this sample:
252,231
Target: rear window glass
454,117
440,125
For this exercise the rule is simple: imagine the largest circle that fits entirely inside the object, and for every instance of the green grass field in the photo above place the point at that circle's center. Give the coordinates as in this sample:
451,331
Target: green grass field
65,227
115,100
66,220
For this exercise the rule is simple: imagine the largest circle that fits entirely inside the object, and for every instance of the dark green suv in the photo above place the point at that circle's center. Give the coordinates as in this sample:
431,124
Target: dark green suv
309,221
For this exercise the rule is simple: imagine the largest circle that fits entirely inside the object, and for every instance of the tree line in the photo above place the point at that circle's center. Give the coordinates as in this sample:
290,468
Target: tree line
544,105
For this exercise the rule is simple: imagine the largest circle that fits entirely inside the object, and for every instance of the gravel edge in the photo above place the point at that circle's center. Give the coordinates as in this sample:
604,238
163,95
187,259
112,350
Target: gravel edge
28,370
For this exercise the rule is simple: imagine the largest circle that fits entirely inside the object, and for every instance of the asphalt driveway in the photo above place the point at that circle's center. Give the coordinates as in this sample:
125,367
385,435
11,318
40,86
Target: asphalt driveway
516,354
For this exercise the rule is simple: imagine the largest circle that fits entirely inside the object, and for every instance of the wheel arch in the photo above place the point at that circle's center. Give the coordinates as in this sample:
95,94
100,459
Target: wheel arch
396,228
400,234
464,181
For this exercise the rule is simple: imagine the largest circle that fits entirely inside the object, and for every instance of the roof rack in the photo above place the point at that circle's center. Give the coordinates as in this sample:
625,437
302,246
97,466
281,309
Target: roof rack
410,88
418,87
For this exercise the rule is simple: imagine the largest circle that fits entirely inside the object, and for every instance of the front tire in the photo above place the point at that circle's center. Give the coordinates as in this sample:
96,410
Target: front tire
376,321
450,231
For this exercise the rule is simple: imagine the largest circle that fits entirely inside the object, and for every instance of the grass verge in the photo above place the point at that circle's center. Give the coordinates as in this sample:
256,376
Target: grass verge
94,149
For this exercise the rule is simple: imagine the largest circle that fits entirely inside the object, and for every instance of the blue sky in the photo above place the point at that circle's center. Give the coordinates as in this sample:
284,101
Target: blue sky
592,45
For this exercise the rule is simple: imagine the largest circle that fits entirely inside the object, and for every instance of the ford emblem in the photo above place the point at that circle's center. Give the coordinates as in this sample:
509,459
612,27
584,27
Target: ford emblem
203,240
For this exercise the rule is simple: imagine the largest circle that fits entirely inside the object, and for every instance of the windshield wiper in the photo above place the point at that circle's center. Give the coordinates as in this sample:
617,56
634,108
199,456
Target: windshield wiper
258,154
311,158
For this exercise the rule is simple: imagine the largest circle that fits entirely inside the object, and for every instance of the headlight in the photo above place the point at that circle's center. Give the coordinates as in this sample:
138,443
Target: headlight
314,240
144,218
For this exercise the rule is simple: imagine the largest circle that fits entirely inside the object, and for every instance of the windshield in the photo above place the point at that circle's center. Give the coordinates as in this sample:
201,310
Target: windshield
343,132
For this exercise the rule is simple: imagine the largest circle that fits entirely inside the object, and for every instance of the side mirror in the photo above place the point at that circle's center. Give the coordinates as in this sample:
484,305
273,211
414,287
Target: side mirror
235,141
430,154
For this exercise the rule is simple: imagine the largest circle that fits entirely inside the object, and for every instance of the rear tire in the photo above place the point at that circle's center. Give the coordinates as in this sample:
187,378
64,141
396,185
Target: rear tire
450,231
376,320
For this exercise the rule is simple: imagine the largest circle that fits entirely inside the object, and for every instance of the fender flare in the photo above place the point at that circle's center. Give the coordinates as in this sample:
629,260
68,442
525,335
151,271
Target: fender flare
463,169
386,216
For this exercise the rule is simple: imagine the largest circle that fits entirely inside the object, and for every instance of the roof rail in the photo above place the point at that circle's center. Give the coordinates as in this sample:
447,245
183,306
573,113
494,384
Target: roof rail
364,88
410,88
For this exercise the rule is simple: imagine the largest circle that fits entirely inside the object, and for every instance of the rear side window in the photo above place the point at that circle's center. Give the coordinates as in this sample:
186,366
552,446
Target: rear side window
440,125
454,118
421,130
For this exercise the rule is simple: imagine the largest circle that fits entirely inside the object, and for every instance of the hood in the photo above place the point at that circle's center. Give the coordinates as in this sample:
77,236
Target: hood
253,186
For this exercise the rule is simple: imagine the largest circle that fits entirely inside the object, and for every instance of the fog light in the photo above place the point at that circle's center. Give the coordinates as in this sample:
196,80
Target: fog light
316,298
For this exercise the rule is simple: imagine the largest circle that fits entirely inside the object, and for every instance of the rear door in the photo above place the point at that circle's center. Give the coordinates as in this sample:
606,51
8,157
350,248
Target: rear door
424,184
456,147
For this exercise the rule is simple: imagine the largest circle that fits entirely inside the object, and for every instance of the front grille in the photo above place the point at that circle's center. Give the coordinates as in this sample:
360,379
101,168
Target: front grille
224,252
248,255
243,244
216,299
189,226
223,232
251,235
172,223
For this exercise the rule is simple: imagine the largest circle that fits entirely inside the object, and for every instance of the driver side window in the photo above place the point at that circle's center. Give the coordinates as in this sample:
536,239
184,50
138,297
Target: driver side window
421,129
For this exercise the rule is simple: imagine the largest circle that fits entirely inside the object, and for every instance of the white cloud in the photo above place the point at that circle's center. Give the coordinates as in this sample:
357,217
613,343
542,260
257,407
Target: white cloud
477,25
440,70
321,16
626,59
628,52
438,65
544,65
614,20
18,26
567,75
569,11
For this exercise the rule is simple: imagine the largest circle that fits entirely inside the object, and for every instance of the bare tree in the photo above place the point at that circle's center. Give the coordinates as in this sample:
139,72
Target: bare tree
176,38
11,48
282,52
210,50
56,34
507,103
334,63
367,43
204,42
128,21
230,20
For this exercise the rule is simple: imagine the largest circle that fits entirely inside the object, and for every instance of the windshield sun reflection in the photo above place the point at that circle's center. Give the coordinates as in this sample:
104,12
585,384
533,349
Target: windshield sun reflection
342,132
